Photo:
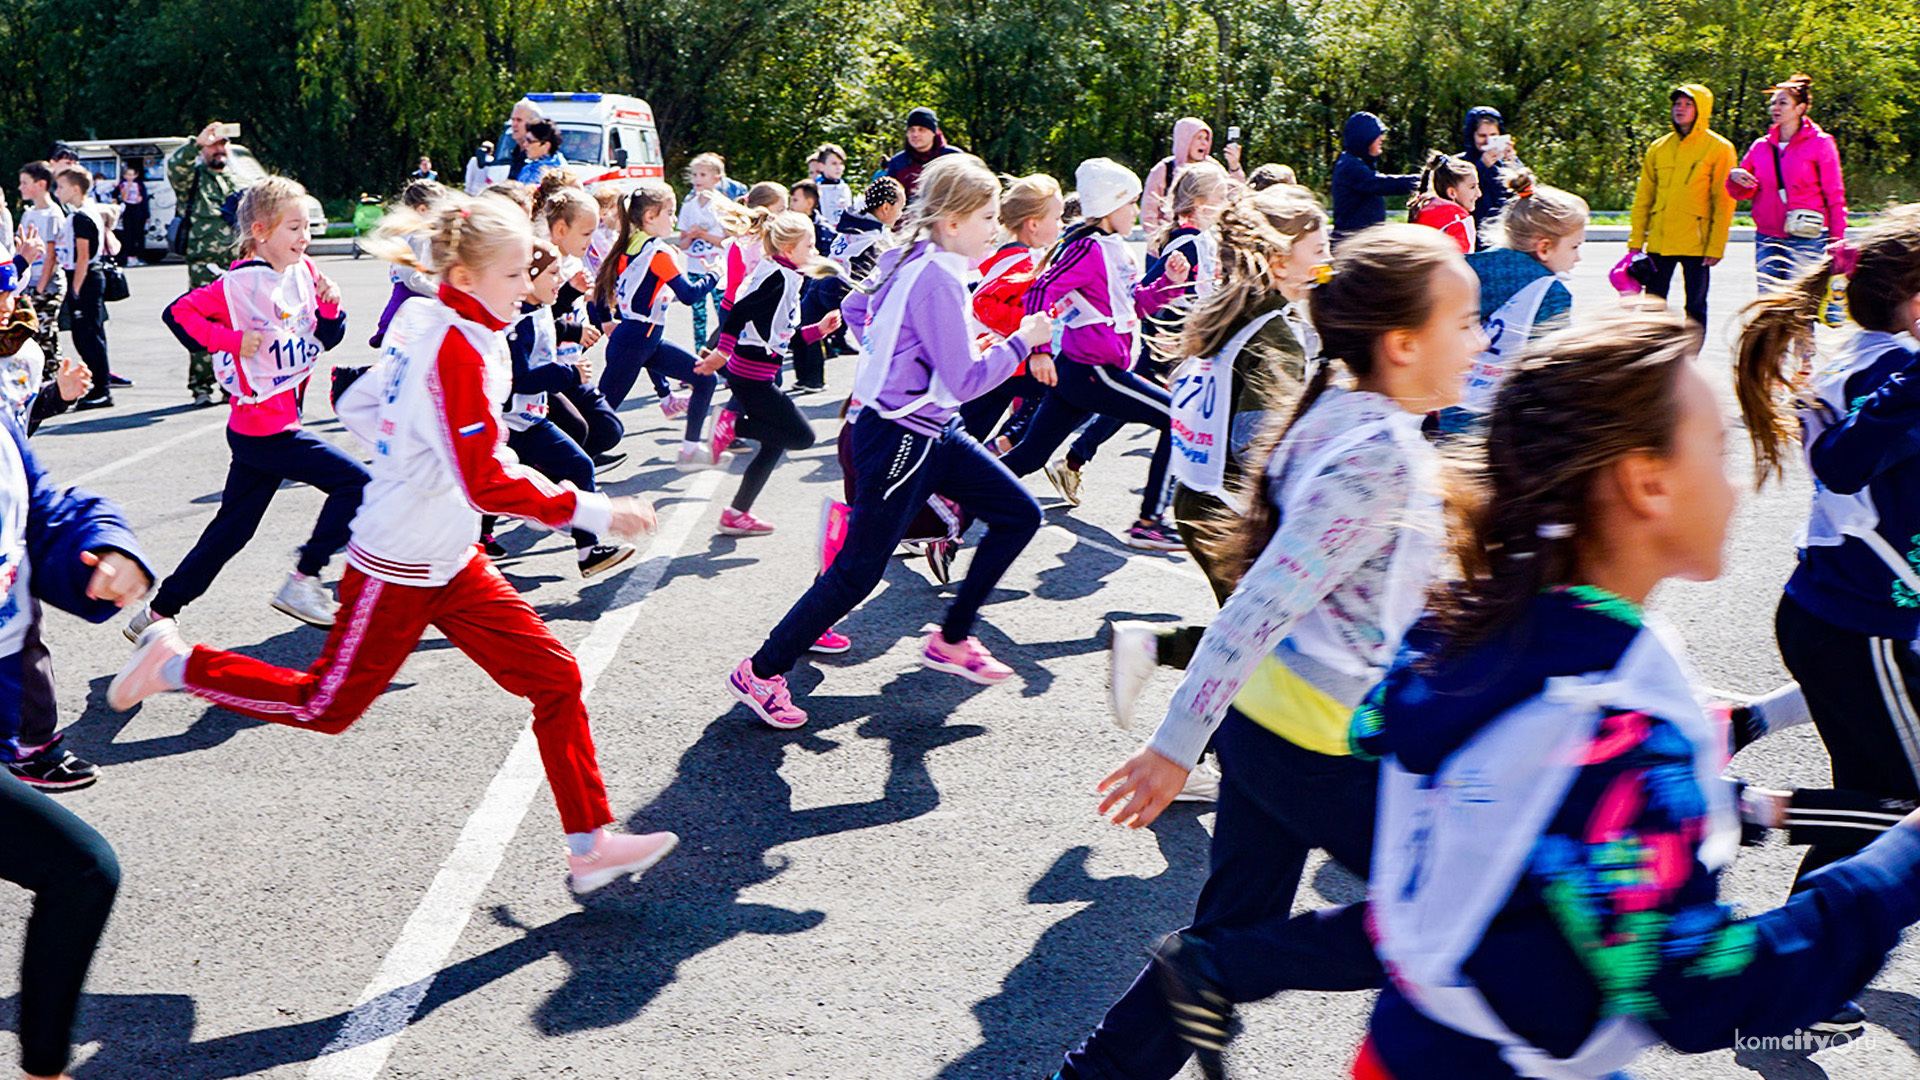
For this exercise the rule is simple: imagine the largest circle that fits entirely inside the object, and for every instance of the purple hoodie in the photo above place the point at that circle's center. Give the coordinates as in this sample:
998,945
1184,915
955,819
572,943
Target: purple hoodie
1081,266
936,338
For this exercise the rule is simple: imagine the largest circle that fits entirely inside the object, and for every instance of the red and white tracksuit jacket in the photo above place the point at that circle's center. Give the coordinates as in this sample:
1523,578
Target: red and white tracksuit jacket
431,411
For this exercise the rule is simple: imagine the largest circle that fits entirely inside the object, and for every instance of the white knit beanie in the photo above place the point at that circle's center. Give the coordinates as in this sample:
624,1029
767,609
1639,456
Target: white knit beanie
1105,186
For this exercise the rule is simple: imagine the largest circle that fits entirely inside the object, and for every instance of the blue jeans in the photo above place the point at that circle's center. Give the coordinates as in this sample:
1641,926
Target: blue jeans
635,346
1779,259
895,469
1278,802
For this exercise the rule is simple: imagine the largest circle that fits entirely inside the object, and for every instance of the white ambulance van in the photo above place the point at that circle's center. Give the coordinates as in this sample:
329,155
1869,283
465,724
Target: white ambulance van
607,138
104,158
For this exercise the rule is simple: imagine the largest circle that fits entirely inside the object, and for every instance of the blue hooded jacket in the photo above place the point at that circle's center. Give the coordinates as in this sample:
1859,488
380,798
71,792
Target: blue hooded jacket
1582,936
1492,194
1359,191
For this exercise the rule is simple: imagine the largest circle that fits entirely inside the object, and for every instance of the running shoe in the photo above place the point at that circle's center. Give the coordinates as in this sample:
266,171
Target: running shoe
116,379
740,523
940,559
1154,537
801,389
701,458
98,399
1850,1020
1132,657
494,548
675,405
144,675
306,599
722,438
969,659
768,698
610,460
1065,480
1203,784
202,398
55,768
603,557
1201,1012
143,617
614,856
831,643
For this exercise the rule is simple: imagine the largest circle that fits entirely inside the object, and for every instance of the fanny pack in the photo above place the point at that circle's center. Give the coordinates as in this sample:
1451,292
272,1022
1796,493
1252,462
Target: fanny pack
1801,224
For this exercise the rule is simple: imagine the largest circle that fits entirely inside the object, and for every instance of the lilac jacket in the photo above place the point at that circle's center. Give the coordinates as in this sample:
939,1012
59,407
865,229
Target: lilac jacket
1079,266
936,337
1811,162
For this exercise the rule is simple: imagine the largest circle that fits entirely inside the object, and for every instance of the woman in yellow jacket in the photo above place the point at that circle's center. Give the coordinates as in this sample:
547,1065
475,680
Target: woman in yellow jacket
1681,211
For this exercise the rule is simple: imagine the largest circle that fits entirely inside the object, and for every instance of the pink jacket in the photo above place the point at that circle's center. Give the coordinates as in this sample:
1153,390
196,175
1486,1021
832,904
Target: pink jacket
1811,162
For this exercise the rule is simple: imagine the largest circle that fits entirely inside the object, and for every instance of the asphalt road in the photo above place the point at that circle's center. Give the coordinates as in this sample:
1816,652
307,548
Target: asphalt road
914,885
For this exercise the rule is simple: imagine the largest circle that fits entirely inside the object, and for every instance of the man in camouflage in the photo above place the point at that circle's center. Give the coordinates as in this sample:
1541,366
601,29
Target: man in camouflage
209,237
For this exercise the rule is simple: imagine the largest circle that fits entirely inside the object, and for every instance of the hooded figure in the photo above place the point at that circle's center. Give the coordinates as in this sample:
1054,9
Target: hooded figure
1359,190
905,166
1493,194
1681,206
1160,178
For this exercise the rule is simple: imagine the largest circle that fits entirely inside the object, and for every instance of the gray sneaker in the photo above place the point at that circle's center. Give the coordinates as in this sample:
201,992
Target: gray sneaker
143,617
307,599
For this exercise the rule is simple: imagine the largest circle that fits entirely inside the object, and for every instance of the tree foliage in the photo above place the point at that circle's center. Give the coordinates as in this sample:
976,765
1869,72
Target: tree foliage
343,94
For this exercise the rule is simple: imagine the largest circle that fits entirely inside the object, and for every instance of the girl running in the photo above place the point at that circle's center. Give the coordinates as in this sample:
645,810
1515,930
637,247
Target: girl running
1091,278
1244,356
266,323
1030,213
1852,607
1337,547
640,285
754,340
581,411
921,362
1553,818
430,410
1449,189
418,196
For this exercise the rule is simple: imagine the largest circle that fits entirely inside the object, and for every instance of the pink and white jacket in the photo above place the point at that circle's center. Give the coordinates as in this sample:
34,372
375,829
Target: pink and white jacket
1811,163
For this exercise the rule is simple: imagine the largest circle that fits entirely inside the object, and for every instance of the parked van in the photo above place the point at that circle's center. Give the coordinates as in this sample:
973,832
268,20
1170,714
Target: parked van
105,157
607,138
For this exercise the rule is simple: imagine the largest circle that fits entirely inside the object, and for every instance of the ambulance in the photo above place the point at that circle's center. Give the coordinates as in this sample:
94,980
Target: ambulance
606,138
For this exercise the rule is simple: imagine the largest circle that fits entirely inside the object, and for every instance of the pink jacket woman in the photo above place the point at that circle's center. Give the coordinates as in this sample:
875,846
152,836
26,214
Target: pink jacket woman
1809,169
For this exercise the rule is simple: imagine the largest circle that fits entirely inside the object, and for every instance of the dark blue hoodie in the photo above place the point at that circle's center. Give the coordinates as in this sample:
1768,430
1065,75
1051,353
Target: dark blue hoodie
1592,929
1359,191
1493,195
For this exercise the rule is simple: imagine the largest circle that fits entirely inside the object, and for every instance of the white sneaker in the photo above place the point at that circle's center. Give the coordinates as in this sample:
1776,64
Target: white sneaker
702,458
1132,657
306,599
143,617
1203,785
145,673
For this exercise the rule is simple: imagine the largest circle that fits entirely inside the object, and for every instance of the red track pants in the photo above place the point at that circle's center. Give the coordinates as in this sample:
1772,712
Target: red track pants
379,624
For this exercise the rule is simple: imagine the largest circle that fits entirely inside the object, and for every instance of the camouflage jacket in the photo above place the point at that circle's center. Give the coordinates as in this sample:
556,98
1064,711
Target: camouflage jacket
208,237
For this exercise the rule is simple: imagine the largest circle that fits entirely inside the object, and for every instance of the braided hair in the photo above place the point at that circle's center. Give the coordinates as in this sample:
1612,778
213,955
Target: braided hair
1575,404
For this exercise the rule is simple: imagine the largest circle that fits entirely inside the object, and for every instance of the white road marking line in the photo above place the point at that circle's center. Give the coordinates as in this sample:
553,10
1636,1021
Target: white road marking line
141,455
366,1038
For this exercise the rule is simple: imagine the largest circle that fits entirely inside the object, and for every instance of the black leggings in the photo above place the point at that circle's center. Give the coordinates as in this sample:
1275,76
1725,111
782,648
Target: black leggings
73,876
771,419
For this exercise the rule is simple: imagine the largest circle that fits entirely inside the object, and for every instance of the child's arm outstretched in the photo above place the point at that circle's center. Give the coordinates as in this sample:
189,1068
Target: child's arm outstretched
85,558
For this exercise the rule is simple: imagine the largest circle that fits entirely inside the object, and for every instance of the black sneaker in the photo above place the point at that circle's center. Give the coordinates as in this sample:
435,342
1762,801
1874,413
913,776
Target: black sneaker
940,559
603,557
55,769
801,389
118,380
1850,1020
1201,1012
494,548
96,400
603,462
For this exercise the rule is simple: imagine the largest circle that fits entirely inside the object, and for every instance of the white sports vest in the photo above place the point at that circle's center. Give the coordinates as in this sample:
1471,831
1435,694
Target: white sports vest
281,307
1202,414
1508,330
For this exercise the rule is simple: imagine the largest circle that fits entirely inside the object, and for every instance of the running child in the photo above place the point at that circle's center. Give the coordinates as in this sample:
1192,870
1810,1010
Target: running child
419,197
1030,219
1091,279
430,410
836,195
1449,190
1553,818
920,364
266,323
640,284
759,330
1333,555
580,411
703,230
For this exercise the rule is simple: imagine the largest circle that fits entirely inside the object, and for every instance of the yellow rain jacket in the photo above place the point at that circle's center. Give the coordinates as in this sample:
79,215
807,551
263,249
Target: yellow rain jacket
1681,206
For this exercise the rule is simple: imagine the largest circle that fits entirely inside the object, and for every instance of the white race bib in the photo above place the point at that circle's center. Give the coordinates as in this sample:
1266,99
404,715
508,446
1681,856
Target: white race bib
1508,331
1202,414
280,307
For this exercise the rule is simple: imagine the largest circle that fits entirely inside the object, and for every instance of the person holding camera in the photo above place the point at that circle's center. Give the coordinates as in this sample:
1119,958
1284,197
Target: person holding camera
1192,142
1681,210
1487,145
1792,174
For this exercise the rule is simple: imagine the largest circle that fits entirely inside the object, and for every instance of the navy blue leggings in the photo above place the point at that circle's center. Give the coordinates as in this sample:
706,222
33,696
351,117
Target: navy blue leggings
895,469
635,346
1085,390
546,449
260,464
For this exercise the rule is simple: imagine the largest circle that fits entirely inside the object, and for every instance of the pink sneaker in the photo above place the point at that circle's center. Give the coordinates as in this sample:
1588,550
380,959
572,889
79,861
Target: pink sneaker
767,698
970,660
834,518
142,677
832,643
616,855
675,405
722,437
740,523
